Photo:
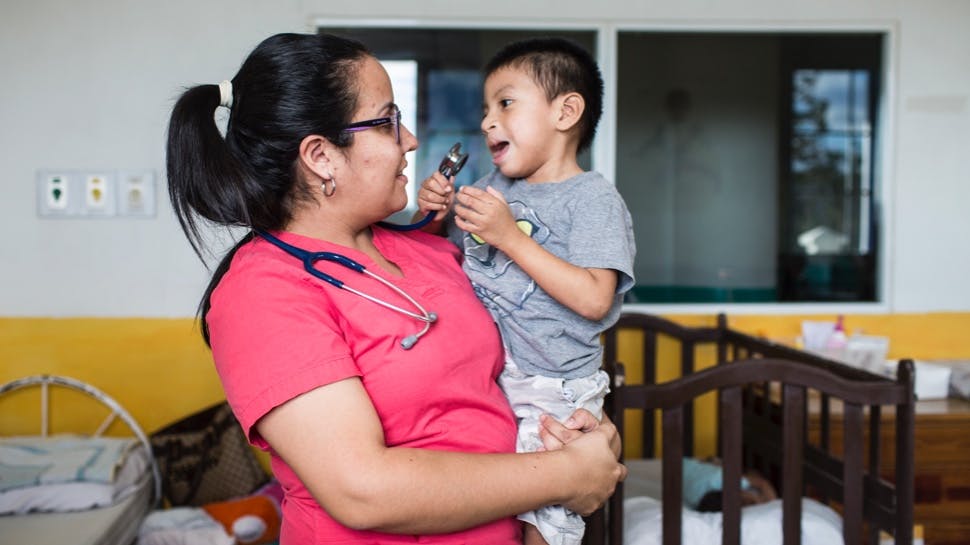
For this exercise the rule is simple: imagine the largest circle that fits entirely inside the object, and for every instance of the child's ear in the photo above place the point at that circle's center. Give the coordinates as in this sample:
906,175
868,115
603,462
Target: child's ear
571,107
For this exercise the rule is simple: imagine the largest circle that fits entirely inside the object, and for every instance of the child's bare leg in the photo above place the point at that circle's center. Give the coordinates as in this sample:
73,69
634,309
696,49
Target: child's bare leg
531,535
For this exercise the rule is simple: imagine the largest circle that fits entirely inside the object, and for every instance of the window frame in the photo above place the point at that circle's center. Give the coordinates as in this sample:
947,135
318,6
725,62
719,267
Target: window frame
604,160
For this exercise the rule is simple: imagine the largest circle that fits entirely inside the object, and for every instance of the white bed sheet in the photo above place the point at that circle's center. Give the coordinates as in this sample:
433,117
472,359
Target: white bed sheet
133,491
760,524
77,496
113,525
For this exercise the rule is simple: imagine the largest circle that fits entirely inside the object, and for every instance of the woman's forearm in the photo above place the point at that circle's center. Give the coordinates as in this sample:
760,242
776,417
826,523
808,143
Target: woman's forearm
422,492
343,461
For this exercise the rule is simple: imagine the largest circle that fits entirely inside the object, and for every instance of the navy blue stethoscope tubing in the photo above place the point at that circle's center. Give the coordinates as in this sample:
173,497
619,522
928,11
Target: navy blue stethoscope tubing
309,258
450,166
410,227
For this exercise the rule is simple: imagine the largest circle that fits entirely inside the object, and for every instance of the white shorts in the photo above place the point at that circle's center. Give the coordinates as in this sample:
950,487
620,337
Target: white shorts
530,397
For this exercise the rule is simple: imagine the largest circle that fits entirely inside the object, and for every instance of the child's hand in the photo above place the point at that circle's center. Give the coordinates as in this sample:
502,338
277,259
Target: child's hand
437,193
486,215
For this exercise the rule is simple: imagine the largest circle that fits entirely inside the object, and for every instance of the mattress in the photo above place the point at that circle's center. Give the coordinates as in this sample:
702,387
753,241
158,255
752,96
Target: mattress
112,525
35,484
760,524
70,489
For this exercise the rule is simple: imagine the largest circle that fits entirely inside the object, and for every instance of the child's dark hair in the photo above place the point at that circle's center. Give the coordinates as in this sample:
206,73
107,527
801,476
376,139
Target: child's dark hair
558,66
290,86
710,502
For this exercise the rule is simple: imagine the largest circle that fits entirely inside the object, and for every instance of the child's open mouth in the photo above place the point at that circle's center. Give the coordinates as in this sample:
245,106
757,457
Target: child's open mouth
498,149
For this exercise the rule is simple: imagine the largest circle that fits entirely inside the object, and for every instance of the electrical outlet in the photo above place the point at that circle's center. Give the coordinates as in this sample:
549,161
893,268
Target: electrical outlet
57,192
99,194
54,193
95,193
136,193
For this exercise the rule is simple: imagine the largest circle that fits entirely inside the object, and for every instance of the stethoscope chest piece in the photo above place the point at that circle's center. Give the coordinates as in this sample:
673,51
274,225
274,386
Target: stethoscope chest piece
452,163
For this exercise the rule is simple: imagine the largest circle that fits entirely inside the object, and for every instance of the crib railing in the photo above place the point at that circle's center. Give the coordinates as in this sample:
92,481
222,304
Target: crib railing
764,391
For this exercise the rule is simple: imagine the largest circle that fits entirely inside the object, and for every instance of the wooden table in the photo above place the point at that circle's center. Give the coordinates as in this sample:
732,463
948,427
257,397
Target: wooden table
942,460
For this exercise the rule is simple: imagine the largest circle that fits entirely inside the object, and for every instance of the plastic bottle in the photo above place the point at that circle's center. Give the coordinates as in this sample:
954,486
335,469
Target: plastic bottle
838,339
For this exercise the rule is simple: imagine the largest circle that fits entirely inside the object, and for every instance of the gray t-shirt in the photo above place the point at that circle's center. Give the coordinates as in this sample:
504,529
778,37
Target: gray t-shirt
582,220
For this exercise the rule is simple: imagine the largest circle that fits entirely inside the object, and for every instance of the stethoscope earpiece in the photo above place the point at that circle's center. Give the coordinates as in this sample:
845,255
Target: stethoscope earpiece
412,340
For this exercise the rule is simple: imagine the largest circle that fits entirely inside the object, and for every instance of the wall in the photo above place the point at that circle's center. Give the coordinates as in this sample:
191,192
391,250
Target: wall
157,369
90,85
160,370
932,137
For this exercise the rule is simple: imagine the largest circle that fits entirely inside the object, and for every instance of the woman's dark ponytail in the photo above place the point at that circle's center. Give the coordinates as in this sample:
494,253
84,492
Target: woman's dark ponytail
202,173
291,86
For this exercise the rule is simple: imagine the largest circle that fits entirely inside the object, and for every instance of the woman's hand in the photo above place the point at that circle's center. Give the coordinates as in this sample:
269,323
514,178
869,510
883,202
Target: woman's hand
596,470
555,434
437,193
584,433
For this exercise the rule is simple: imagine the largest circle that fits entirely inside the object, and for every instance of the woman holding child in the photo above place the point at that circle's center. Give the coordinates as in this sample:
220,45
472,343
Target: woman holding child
373,442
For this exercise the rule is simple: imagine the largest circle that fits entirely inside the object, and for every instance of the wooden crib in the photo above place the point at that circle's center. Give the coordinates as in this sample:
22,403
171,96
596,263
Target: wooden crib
766,395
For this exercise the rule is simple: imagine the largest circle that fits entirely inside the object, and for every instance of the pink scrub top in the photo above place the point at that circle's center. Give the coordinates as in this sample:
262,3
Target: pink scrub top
278,332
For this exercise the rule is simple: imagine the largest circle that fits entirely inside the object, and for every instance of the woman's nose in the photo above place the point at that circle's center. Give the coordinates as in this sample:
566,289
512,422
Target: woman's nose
408,139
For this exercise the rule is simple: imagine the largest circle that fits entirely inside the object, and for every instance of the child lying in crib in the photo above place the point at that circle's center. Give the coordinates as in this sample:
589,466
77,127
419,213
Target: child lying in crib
702,483
703,486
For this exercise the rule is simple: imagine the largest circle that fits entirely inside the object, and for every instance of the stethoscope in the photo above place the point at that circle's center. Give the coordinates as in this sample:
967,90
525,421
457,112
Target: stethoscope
309,258
449,166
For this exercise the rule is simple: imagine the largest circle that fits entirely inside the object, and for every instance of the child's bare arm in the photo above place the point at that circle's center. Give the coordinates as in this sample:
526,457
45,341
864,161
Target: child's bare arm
587,292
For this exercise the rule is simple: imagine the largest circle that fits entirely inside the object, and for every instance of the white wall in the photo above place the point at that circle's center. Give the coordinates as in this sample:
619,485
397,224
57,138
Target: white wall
932,198
90,84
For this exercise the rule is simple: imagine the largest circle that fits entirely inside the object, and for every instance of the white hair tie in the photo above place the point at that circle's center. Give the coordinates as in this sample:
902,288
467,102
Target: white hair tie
225,93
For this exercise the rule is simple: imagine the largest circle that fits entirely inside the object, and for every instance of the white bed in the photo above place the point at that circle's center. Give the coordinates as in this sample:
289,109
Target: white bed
45,510
760,524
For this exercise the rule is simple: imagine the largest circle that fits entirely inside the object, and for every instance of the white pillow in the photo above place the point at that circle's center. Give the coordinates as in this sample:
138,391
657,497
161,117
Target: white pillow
78,496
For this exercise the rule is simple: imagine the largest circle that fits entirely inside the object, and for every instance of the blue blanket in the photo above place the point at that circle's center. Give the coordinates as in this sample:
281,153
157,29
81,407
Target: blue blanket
34,461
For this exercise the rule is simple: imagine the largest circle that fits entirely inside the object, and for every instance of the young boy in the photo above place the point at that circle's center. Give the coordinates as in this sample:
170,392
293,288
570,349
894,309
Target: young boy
548,247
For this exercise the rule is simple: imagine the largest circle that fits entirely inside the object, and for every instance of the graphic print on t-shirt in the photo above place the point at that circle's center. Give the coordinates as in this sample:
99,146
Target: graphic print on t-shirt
508,287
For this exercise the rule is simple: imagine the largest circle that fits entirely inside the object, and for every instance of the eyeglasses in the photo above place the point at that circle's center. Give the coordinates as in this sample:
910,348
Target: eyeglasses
394,119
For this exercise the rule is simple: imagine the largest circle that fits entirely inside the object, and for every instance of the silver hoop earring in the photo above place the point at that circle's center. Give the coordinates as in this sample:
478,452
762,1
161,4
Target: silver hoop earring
333,187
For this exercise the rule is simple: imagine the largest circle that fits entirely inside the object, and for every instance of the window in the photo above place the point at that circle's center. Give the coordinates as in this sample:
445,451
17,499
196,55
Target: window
746,160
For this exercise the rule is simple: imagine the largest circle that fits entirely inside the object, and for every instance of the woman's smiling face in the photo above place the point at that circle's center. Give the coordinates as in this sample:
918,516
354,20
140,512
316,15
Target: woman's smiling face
375,159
